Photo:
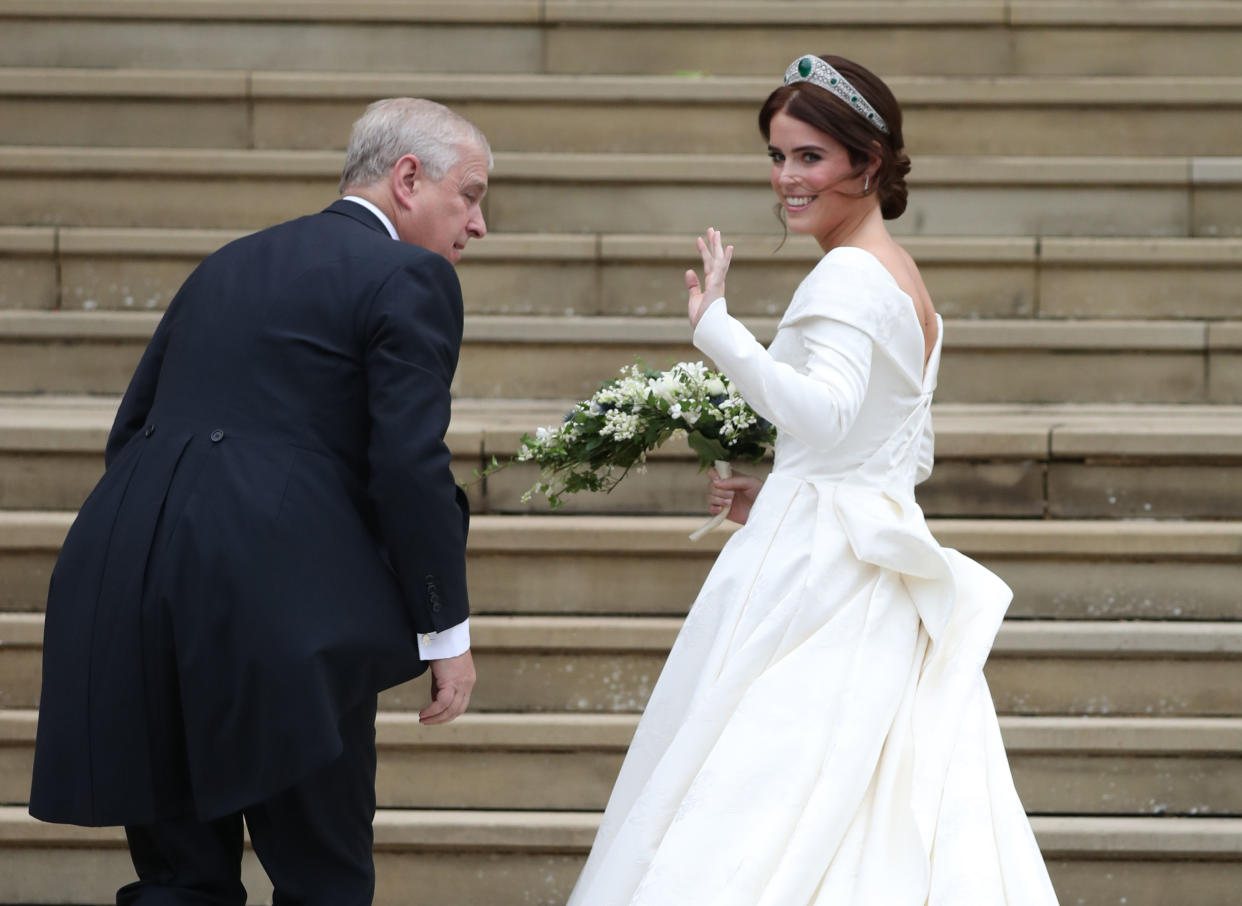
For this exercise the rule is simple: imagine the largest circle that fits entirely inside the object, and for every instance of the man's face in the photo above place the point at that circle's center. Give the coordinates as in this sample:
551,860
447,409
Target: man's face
444,215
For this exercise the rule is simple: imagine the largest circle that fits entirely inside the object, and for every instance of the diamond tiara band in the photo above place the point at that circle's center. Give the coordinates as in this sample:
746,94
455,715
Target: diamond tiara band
810,68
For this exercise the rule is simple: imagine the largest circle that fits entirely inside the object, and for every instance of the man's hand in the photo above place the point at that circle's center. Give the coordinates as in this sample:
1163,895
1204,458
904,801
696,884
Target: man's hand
451,681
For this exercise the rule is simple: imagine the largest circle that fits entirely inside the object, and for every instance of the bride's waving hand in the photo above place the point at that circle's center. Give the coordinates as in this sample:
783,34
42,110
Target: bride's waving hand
716,258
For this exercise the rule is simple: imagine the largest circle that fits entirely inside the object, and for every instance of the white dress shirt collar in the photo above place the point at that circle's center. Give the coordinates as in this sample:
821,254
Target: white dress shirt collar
383,218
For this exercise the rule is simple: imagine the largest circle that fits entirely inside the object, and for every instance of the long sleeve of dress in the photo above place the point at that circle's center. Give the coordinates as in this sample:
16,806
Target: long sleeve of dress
819,407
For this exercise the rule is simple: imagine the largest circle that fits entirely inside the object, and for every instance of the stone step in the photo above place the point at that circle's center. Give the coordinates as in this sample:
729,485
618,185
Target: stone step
628,193
997,361
1059,115
610,664
127,268
646,566
991,461
1068,766
524,357
505,858
969,37
1037,668
1064,462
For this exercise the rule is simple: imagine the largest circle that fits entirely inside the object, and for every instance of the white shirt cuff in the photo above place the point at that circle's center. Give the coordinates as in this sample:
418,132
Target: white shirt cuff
436,646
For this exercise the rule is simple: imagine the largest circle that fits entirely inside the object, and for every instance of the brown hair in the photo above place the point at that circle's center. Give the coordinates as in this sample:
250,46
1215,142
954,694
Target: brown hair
825,111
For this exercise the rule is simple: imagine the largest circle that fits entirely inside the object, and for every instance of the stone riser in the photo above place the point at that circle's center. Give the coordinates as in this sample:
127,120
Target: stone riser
647,567
964,489
1043,588
520,583
85,867
87,269
570,193
1203,370
496,777
755,45
503,878
546,371
1176,489
621,683
245,202
681,125
546,666
933,210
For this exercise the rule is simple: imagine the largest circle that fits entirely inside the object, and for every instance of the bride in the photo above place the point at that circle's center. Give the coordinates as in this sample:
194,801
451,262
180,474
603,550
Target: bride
822,734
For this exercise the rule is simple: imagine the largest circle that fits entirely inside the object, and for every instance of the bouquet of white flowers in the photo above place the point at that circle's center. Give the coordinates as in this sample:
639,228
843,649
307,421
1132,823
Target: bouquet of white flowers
603,437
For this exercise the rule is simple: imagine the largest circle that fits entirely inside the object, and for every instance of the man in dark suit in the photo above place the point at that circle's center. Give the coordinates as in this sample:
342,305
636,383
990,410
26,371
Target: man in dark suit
277,537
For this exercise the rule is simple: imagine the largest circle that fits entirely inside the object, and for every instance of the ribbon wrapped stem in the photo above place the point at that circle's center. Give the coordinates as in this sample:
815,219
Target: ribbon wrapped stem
724,470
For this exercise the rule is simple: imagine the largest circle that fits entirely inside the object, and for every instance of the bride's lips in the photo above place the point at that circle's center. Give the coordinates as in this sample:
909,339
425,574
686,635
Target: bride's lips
796,203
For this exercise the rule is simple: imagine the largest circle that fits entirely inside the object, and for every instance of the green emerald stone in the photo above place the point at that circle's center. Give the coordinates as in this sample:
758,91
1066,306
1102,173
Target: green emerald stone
832,81
804,67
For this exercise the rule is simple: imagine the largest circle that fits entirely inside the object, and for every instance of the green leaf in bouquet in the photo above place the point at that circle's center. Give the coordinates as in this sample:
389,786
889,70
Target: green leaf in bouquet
708,449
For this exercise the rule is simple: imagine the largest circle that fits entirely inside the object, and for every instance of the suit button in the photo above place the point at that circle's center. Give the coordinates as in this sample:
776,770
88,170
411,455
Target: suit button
148,430
435,608
217,436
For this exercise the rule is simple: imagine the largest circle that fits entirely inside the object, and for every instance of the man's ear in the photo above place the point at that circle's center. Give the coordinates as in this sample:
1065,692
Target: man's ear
405,179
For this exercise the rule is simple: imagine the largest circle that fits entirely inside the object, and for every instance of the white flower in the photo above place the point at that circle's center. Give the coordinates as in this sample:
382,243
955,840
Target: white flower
665,387
621,425
715,387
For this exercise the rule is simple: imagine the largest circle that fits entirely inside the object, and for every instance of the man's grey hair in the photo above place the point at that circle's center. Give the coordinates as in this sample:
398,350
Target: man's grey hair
395,127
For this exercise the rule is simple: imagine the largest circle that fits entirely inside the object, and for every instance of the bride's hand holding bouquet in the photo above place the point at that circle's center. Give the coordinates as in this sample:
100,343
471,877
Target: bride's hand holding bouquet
733,495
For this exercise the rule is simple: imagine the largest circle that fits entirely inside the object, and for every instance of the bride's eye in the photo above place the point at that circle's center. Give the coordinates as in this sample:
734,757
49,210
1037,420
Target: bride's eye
776,156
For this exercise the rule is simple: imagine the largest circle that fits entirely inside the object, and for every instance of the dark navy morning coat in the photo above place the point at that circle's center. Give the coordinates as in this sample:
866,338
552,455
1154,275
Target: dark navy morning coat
276,522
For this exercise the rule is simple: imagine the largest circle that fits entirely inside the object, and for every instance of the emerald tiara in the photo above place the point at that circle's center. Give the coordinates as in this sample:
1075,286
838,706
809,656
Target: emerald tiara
810,68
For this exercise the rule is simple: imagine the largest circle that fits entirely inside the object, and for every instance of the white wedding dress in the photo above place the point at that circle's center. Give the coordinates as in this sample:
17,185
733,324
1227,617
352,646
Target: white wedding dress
822,734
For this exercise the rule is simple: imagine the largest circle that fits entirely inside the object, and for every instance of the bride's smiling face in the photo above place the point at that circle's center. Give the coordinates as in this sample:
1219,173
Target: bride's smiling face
811,174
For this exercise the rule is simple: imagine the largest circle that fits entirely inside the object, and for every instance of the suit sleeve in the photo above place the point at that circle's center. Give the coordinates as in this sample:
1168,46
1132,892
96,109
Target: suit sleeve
819,407
413,337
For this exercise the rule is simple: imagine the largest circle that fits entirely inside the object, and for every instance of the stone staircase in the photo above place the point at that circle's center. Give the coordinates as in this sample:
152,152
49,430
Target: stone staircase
1075,206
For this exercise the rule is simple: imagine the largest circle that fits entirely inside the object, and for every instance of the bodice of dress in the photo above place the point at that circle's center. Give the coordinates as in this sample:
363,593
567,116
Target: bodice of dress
843,380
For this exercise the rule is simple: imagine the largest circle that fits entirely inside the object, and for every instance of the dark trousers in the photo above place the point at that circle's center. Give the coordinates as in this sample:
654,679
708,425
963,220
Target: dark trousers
314,840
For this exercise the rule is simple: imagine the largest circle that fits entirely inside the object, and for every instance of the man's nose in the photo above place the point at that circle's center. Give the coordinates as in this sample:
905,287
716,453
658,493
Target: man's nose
477,227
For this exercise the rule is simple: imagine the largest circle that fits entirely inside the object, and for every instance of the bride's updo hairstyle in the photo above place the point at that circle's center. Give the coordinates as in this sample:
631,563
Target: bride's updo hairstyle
821,108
